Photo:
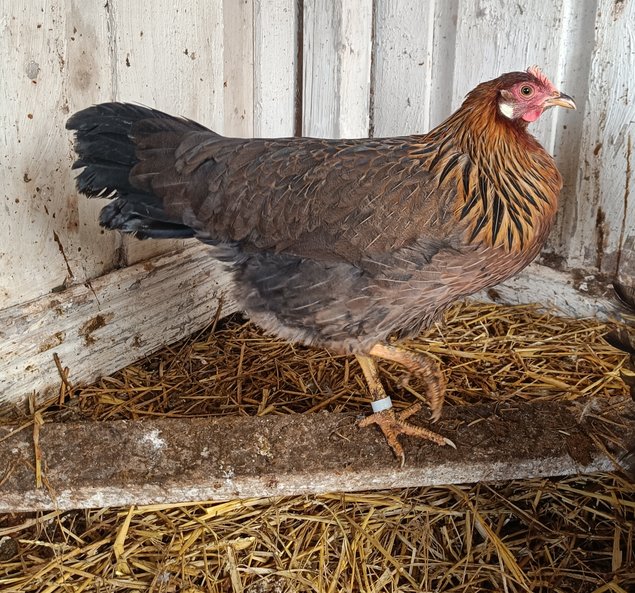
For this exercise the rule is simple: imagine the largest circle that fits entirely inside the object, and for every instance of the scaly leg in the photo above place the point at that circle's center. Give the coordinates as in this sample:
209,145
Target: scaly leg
391,424
421,365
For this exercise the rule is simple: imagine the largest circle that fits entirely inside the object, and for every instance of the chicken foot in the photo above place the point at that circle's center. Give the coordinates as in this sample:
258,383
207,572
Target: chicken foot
392,424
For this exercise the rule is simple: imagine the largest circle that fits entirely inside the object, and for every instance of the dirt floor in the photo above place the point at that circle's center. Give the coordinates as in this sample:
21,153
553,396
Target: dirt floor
573,534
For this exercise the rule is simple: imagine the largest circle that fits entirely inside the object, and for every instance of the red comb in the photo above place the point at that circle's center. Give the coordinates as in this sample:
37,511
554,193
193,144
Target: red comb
537,73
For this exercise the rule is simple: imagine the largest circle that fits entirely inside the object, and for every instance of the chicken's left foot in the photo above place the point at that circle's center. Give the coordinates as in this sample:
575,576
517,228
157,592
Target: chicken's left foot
392,425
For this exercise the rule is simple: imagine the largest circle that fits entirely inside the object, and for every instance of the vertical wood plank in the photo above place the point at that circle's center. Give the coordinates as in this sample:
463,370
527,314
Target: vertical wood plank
604,238
402,81
88,78
336,69
443,60
577,40
274,67
238,95
55,59
169,55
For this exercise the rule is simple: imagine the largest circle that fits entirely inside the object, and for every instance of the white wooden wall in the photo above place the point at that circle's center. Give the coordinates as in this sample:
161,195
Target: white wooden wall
319,67
229,64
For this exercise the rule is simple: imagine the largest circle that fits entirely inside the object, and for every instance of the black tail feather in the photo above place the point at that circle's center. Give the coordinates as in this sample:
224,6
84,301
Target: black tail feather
626,295
103,180
107,138
135,214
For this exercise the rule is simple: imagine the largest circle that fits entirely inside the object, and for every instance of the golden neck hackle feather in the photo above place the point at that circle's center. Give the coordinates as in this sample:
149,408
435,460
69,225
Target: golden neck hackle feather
507,184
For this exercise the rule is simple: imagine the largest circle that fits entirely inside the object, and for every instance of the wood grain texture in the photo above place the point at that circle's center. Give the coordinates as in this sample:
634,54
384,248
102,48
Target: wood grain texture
336,68
275,58
165,460
99,328
567,294
443,56
576,41
604,237
238,63
169,55
54,59
402,69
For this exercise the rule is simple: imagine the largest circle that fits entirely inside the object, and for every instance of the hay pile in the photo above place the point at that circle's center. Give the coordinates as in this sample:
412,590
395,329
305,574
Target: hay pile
558,535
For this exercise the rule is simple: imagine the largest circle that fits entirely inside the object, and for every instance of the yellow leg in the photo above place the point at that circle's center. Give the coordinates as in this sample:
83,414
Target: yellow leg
391,424
421,365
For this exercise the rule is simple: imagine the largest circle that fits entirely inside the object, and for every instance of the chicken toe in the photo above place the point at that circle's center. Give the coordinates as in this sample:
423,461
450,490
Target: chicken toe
393,424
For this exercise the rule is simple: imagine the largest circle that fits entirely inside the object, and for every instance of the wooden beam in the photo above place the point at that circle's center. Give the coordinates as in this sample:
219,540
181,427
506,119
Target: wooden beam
569,294
100,327
100,464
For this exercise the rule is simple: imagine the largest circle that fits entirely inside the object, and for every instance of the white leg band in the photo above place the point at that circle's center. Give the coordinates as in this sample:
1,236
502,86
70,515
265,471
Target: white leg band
379,405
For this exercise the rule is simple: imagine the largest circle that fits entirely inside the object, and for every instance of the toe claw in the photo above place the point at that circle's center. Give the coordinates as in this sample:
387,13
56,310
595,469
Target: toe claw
447,441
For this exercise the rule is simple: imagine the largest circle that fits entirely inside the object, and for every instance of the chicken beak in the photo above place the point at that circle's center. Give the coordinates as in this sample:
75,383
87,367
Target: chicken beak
560,100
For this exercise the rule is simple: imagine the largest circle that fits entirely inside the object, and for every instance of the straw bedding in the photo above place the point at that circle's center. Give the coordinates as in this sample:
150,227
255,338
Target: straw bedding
561,535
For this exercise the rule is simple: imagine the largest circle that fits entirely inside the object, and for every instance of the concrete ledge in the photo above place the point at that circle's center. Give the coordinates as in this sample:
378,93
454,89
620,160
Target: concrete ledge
166,460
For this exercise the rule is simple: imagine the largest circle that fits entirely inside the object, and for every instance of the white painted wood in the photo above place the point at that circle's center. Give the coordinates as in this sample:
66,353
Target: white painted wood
402,67
577,41
98,329
567,294
168,54
53,59
443,64
336,69
605,219
275,45
238,91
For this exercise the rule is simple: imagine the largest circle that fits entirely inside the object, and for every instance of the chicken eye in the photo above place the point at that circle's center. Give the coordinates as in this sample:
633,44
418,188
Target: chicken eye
526,91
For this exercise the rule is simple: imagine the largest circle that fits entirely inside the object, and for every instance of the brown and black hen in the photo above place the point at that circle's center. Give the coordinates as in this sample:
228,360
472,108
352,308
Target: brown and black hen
344,244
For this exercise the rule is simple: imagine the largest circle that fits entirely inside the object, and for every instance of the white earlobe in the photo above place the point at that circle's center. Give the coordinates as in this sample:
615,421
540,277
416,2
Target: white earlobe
506,109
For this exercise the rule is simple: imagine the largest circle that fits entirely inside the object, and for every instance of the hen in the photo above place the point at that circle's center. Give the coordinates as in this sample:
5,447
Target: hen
344,244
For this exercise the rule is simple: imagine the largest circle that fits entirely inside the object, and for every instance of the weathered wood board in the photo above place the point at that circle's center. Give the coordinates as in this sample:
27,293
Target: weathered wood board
54,59
603,235
101,326
336,68
102,464
275,63
402,67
